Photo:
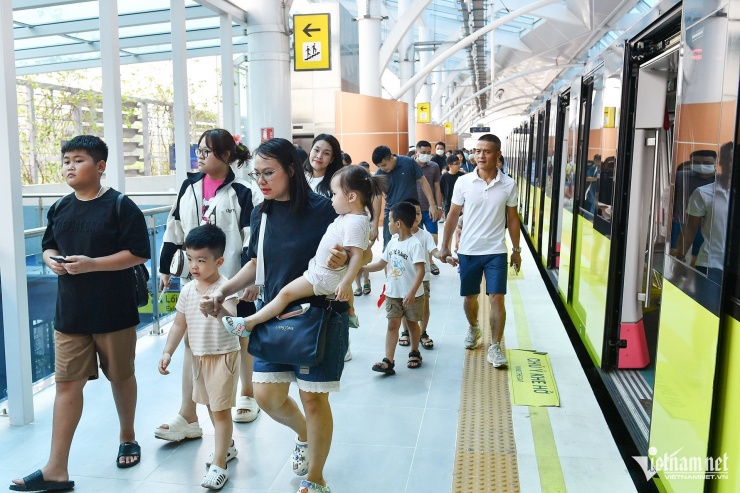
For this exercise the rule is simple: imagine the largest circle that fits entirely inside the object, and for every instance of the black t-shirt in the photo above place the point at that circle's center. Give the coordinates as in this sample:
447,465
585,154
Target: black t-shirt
447,185
96,302
291,240
440,160
401,181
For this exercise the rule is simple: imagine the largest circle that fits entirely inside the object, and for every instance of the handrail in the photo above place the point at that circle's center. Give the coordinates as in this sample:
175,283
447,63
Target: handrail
34,232
44,195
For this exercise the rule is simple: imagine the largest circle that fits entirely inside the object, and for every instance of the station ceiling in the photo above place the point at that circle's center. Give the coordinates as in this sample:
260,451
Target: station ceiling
57,35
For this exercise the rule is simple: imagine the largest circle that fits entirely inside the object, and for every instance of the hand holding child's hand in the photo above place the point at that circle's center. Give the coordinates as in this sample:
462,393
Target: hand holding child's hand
206,305
343,291
409,299
164,362
451,260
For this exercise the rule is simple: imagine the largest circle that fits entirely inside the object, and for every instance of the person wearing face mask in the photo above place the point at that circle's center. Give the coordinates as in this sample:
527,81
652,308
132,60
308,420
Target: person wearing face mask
698,173
439,156
432,173
706,214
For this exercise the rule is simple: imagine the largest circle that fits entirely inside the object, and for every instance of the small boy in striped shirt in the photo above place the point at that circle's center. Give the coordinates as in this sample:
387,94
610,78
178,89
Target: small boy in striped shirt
215,351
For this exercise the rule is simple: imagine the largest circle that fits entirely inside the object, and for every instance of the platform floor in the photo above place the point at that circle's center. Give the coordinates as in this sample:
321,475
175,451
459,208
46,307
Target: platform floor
391,434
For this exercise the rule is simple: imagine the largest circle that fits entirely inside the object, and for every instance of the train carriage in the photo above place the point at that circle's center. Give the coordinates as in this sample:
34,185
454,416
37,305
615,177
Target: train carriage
628,187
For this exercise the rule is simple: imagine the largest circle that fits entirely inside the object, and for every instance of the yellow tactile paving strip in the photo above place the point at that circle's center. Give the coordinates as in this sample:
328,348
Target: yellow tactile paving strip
485,457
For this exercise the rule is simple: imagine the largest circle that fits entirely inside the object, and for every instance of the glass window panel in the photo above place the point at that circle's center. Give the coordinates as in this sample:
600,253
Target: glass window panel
58,13
41,42
58,59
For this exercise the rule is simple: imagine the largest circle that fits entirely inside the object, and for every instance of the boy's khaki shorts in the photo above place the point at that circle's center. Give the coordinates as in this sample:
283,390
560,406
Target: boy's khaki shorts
77,355
394,309
215,377
427,288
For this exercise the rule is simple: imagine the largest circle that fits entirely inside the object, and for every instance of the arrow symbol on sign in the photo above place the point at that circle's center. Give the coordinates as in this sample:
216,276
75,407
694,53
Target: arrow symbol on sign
308,31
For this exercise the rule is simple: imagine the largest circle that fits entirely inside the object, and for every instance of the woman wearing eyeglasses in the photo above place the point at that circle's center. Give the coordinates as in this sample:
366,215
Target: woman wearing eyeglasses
297,219
212,195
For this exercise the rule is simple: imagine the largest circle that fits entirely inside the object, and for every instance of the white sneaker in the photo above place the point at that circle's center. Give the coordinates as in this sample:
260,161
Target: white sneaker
300,458
496,356
215,478
473,338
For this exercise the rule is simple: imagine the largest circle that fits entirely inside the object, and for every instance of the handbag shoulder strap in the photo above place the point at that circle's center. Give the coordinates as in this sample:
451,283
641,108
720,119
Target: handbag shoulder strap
260,275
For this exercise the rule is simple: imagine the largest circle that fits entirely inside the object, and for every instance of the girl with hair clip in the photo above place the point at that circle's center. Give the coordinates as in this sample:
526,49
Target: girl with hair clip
324,160
353,190
212,195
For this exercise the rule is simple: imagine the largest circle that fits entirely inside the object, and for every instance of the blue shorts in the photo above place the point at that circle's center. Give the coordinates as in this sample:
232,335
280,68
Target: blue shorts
429,225
676,228
473,267
324,378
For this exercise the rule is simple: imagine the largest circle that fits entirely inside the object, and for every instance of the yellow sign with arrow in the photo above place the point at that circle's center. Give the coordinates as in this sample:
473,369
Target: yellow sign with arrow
311,42
423,113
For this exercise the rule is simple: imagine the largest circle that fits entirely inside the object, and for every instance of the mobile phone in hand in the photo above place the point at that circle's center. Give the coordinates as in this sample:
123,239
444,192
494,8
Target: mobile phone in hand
61,260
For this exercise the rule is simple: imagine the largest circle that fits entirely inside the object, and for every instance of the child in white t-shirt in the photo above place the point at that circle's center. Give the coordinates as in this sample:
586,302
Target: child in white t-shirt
353,191
430,249
215,353
405,259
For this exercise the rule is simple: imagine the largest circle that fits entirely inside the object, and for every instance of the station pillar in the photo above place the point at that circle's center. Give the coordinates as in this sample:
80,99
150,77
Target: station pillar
268,55
368,25
406,61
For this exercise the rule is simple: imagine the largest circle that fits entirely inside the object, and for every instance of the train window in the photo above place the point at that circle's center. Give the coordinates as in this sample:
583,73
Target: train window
703,153
598,184
570,145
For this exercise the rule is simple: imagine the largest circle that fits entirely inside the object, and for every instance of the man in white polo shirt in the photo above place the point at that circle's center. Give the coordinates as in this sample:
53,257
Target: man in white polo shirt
489,198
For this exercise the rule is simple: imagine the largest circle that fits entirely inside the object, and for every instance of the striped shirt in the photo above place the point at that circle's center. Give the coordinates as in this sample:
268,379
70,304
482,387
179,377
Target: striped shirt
206,334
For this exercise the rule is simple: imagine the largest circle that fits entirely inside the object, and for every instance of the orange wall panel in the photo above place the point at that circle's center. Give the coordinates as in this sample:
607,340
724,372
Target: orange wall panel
432,133
363,122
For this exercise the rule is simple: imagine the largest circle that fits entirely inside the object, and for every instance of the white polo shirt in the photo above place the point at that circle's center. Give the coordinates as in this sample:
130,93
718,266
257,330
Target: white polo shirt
485,212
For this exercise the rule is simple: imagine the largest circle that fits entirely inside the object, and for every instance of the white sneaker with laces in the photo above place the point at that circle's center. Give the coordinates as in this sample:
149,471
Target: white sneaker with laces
496,356
300,458
473,338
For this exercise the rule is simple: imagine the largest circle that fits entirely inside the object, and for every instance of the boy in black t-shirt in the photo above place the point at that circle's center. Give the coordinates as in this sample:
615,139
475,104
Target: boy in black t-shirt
447,182
92,246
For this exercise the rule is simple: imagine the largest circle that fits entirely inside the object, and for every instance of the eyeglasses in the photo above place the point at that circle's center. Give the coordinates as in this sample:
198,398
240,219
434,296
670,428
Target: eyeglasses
203,153
265,175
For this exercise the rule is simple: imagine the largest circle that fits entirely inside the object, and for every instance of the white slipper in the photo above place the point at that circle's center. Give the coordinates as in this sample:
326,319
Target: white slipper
215,478
230,454
179,429
247,404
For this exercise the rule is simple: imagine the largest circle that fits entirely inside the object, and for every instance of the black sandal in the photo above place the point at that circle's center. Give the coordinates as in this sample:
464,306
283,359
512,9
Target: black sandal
357,292
426,341
414,360
386,366
366,288
36,482
128,449
404,339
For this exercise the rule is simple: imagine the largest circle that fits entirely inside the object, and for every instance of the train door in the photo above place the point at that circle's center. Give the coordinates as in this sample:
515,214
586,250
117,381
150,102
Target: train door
568,196
529,174
550,174
539,166
555,185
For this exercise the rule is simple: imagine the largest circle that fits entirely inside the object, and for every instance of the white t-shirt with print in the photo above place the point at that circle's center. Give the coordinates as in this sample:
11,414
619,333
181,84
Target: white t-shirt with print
485,212
402,257
313,181
429,245
205,334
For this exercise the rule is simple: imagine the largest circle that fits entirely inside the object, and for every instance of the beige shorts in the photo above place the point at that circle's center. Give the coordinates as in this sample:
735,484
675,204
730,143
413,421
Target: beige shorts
215,377
394,309
77,355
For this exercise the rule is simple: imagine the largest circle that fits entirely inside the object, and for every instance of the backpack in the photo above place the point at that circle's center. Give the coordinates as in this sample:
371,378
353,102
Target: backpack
141,274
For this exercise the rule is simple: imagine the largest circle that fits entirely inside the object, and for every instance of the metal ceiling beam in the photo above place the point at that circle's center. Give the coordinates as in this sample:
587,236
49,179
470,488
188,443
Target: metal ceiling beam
451,76
124,43
395,36
124,20
508,79
510,40
125,60
238,14
465,42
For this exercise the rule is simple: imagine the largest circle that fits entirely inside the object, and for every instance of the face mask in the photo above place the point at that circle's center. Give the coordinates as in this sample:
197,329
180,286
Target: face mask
440,152
466,155
424,158
704,169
